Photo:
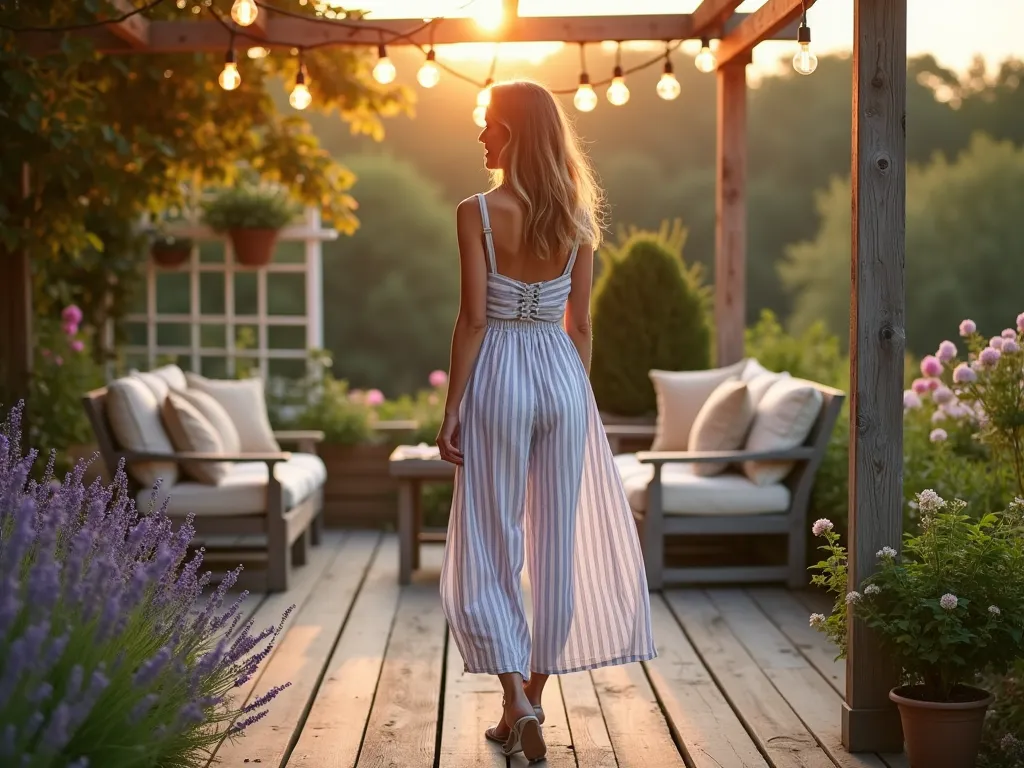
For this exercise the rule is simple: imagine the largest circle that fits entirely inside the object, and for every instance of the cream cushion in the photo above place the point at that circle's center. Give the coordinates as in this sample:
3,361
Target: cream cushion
171,374
217,416
244,490
783,420
157,385
680,395
722,424
190,431
759,385
134,416
246,404
684,493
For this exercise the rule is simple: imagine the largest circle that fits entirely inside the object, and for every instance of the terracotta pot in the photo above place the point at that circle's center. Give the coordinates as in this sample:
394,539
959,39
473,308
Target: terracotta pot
253,247
942,734
168,255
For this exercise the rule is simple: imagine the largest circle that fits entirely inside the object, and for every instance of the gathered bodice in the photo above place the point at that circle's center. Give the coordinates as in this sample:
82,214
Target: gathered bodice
511,299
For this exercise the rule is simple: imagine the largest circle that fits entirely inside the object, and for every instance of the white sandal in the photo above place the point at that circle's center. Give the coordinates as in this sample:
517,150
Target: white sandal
526,737
491,734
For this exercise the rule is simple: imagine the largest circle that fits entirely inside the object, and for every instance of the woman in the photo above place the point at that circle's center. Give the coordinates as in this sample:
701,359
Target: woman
523,429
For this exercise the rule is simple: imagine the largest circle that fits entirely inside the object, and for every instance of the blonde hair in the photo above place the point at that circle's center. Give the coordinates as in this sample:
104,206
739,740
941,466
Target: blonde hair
546,169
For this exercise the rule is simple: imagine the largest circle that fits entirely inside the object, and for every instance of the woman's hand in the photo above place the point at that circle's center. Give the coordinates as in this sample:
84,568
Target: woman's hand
448,440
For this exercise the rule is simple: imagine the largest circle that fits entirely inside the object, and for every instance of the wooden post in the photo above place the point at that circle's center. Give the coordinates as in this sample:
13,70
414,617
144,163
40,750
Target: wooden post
15,322
877,340
731,211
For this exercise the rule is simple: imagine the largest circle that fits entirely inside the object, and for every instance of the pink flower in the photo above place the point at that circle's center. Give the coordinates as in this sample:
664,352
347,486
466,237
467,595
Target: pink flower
964,374
920,386
948,601
821,526
355,395
942,394
989,356
931,366
947,351
933,384
58,360
45,352
937,435
71,315
1009,333
996,342
967,327
70,329
1020,322
438,379
1010,346
911,400
374,397
939,416
77,345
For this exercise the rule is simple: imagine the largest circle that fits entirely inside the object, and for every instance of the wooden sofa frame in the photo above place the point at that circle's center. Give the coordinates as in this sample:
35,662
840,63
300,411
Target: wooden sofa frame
655,525
289,532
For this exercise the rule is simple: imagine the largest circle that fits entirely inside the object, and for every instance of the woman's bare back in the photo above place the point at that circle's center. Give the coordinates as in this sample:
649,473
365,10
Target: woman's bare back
512,255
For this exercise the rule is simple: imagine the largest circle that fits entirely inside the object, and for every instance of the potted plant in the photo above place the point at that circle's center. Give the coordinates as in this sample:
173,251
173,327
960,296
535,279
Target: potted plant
251,216
947,609
170,251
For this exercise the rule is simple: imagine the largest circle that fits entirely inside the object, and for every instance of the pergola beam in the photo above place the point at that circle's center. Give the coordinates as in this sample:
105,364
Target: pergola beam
763,24
134,30
289,32
711,15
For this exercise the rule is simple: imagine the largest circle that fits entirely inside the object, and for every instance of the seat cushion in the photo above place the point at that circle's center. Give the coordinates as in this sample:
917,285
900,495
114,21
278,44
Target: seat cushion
685,493
135,421
722,424
243,491
680,395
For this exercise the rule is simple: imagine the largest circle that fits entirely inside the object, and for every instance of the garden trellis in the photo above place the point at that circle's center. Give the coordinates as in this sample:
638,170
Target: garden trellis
878,170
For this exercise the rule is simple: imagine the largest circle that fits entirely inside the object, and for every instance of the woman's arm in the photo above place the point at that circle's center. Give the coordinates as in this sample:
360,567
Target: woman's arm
577,309
472,320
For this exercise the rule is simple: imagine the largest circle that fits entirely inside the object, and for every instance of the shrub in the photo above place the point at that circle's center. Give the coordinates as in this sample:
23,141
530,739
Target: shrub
249,207
814,355
648,312
108,657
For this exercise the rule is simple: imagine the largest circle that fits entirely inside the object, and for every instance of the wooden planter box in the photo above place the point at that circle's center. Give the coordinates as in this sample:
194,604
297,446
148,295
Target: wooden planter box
359,492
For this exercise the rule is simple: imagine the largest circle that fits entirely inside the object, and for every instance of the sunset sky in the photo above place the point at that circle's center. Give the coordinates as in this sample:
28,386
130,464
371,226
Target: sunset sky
953,30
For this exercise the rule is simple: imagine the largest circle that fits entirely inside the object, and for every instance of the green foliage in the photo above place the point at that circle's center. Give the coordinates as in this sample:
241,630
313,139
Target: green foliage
1003,742
344,415
949,608
648,312
249,206
814,355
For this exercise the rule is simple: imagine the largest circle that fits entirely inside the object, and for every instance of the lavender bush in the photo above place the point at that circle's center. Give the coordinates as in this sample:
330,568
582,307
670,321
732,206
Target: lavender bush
109,657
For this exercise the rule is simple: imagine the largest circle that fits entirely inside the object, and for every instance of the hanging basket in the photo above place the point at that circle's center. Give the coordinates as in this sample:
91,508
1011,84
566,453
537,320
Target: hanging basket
170,254
253,247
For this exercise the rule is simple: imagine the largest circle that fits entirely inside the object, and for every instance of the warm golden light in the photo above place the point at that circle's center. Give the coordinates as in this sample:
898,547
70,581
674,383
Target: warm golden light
480,116
668,87
585,99
244,12
258,52
483,98
805,62
488,14
229,78
618,91
300,97
429,74
705,61
384,71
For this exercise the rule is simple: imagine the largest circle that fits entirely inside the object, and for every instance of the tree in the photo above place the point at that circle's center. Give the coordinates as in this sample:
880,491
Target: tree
964,245
391,291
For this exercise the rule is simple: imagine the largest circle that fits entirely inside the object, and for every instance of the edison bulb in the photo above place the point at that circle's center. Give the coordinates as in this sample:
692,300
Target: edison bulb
668,87
618,91
483,99
480,116
244,12
429,74
585,98
705,61
805,62
229,78
384,71
300,97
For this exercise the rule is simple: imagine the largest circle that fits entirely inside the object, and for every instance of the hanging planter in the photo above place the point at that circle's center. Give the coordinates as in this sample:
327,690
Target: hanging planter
170,251
251,217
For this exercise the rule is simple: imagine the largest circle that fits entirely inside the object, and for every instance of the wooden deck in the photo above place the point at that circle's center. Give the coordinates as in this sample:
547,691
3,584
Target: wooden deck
741,681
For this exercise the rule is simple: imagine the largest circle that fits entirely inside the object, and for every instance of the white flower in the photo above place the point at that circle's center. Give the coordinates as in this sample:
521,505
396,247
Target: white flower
872,589
938,435
886,552
948,601
994,610
817,619
820,526
853,597
928,500
1008,742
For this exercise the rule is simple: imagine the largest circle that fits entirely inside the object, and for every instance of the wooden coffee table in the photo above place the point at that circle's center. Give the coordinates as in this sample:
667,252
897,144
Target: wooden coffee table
412,466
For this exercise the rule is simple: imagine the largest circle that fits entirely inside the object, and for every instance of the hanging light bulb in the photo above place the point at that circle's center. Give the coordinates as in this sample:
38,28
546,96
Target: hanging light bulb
668,87
300,97
618,91
244,12
480,115
483,99
705,61
429,73
258,52
804,62
585,98
384,71
229,78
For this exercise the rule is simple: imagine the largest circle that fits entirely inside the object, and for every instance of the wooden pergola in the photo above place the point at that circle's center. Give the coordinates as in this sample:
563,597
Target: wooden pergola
878,170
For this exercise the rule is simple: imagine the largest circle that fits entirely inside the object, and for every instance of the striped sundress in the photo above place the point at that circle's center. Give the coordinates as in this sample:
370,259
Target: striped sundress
538,480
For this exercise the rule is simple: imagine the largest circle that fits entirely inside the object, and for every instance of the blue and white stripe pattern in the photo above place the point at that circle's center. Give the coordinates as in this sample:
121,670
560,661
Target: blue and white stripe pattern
539,480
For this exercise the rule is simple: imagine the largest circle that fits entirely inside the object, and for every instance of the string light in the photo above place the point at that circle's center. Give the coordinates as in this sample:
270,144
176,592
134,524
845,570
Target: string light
618,91
384,71
705,61
804,62
585,98
300,97
429,74
229,78
244,12
668,86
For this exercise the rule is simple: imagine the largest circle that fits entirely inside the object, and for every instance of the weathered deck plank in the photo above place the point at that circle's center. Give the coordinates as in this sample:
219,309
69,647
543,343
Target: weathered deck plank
472,704
587,728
